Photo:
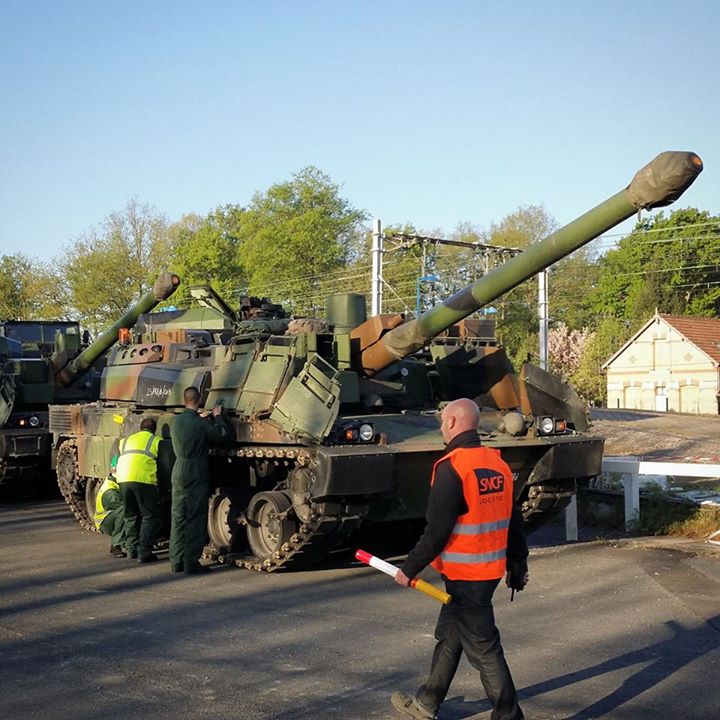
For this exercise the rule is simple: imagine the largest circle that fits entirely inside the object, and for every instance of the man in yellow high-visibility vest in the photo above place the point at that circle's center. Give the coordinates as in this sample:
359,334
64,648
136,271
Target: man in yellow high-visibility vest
137,478
110,512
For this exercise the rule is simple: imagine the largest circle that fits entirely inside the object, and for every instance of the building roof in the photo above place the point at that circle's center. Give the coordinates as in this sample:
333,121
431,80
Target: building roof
702,332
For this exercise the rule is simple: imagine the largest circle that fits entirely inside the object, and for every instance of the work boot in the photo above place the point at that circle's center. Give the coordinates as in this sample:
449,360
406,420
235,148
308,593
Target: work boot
117,551
149,558
408,705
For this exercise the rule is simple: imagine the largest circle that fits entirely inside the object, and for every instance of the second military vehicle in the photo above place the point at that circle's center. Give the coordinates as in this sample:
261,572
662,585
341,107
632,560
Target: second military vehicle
335,421
48,362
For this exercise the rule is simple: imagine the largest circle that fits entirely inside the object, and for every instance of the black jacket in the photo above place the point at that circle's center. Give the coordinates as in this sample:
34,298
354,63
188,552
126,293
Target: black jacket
445,504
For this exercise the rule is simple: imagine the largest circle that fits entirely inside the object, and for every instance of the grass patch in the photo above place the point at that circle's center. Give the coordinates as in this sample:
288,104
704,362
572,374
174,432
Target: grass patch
661,516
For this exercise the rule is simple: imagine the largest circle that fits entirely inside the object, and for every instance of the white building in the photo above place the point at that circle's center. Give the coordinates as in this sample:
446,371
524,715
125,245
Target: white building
671,363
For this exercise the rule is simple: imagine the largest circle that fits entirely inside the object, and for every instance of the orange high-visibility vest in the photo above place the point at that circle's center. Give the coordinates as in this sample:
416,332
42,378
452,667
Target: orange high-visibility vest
478,543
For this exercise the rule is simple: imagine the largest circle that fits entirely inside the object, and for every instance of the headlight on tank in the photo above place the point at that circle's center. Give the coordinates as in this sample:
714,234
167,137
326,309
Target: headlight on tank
548,425
367,432
357,432
34,421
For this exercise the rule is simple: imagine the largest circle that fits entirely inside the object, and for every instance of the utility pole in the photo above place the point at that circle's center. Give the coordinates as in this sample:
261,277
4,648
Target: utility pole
376,284
543,317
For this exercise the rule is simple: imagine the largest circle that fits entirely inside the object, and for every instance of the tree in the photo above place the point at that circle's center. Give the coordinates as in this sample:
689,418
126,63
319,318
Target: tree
571,284
296,233
517,327
669,263
566,348
30,290
588,379
113,264
207,250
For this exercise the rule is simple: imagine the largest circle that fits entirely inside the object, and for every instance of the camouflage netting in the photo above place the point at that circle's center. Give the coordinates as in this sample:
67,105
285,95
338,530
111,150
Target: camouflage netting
308,325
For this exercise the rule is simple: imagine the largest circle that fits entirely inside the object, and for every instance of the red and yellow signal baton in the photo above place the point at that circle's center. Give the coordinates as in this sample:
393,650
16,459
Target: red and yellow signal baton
392,571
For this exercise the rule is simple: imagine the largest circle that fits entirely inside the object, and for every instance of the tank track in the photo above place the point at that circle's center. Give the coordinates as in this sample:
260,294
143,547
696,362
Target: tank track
71,484
308,546
544,501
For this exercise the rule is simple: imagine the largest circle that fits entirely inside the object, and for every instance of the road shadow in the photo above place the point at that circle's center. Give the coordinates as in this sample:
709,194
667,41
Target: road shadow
657,662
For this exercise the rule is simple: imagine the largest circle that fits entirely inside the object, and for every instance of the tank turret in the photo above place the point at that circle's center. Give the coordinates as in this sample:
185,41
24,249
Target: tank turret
67,371
334,422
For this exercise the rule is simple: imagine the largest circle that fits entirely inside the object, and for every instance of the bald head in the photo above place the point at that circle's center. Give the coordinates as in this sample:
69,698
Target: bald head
191,398
457,417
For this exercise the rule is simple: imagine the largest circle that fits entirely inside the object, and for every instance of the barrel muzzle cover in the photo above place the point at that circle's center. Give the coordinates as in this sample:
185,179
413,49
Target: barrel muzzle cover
663,180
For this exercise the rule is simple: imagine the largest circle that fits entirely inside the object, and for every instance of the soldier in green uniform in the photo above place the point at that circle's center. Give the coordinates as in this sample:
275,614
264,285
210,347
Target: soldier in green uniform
109,512
191,436
137,477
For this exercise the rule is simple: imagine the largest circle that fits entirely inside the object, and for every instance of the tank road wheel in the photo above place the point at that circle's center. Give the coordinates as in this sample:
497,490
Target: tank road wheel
71,485
223,513
269,527
92,488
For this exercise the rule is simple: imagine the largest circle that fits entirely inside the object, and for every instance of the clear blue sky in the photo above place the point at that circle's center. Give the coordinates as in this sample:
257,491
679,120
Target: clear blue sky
427,112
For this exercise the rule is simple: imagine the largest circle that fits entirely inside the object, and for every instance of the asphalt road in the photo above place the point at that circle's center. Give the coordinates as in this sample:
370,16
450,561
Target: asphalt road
622,631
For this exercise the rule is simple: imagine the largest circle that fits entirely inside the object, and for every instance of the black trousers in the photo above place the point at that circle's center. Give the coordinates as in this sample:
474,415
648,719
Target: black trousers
142,517
467,625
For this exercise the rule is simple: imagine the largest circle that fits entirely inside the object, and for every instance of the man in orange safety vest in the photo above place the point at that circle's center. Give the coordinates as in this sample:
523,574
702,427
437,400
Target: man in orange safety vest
474,536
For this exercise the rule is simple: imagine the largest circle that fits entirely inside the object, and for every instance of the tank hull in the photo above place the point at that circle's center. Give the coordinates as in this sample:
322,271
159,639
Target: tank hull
346,486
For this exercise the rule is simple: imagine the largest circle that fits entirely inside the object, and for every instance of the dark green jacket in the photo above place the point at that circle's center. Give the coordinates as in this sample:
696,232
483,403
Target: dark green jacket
191,437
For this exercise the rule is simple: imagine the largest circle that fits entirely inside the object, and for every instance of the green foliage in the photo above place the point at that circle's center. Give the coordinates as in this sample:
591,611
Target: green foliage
517,327
30,290
207,251
402,266
571,284
668,263
588,379
115,263
294,233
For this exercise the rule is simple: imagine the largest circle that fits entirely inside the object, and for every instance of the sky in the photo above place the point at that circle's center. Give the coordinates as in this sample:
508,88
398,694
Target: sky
423,112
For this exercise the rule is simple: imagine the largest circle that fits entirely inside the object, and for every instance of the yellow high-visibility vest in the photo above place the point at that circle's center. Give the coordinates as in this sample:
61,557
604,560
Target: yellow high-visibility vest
101,512
137,458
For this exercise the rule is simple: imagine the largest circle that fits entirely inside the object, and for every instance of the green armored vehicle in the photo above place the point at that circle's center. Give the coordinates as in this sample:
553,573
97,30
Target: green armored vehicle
48,362
335,422
27,349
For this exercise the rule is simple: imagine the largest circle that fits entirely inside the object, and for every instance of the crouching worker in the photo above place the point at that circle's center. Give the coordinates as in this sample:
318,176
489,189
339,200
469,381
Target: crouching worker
110,512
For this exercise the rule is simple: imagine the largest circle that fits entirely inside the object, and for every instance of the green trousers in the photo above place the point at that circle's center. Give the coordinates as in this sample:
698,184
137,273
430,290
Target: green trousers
188,529
142,517
114,526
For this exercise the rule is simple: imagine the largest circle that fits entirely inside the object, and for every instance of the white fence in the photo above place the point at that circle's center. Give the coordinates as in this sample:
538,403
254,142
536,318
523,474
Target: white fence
633,468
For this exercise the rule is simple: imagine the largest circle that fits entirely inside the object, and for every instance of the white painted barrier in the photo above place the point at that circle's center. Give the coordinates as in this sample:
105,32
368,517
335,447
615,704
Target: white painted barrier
632,468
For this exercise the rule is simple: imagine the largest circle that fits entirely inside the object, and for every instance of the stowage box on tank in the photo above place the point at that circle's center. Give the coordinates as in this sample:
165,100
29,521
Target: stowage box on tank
335,422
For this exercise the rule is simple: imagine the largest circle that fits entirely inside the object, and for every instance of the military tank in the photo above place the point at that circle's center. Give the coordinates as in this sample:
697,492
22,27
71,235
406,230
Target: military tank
48,362
335,422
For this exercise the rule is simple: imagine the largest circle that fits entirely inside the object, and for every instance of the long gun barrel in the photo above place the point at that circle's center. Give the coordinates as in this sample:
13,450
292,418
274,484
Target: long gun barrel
659,183
163,288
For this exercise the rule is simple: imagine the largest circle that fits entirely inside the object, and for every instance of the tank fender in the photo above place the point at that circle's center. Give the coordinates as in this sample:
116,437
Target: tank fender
568,460
342,471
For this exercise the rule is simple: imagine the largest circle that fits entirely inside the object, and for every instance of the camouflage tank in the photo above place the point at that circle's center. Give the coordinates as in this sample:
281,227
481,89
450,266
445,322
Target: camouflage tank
335,422
48,362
